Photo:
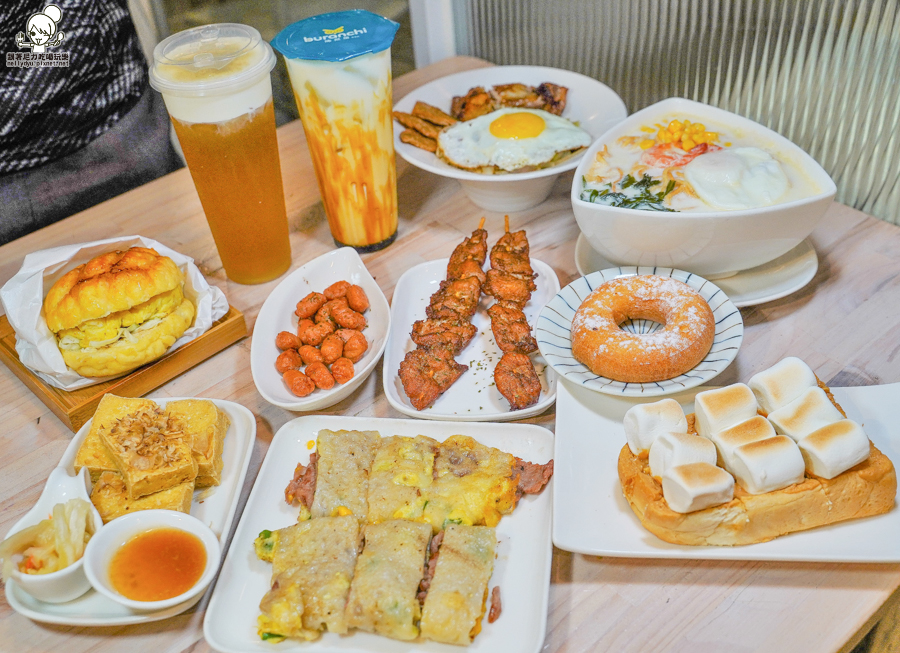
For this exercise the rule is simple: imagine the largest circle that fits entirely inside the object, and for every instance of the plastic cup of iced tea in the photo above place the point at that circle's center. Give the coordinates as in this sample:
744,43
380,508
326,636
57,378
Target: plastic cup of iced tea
340,69
216,84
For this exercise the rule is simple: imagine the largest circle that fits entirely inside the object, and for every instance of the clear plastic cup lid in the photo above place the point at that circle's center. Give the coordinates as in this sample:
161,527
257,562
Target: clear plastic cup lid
336,36
210,59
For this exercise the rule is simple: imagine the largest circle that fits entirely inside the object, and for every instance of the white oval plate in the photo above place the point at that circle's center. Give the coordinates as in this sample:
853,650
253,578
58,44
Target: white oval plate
277,314
474,397
214,506
553,333
765,283
593,105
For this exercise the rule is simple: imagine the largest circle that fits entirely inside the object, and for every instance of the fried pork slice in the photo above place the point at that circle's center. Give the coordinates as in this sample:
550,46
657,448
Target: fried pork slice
433,114
413,122
554,97
427,373
468,268
517,381
511,287
452,333
532,477
511,330
414,138
477,102
457,296
518,95
511,262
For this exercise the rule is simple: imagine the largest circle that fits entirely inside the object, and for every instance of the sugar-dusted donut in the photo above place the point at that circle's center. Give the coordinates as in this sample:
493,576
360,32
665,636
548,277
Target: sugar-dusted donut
607,350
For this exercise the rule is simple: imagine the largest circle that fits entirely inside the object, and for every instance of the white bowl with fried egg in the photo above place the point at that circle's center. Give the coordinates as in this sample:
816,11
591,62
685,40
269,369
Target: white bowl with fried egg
751,201
591,107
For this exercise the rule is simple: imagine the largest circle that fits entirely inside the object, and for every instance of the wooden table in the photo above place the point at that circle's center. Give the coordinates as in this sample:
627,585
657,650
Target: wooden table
845,324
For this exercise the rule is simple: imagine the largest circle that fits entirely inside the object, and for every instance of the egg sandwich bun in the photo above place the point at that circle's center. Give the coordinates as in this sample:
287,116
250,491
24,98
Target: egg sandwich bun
118,311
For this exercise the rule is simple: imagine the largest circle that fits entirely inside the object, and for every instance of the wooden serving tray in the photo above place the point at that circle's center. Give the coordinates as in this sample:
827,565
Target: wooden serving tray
75,407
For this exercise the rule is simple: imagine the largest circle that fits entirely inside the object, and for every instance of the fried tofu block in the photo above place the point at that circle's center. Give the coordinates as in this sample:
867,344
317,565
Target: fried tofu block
422,126
312,567
207,425
414,138
344,461
151,450
401,473
383,593
110,497
433,114
92,453
456,600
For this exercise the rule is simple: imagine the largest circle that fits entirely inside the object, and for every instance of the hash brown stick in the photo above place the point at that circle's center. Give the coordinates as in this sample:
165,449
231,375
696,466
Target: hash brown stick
514,375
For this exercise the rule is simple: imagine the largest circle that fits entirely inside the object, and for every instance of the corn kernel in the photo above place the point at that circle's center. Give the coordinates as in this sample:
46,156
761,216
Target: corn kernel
674,126
710,136
646,144
700,127
687,145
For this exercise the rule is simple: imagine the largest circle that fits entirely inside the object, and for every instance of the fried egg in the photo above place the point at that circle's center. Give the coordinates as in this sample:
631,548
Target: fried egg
737,178
510,139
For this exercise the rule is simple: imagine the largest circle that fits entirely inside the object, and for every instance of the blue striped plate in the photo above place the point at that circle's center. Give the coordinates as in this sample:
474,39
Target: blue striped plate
553,333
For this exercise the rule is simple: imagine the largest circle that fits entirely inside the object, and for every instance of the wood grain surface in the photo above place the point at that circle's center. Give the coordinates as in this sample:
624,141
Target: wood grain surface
845,324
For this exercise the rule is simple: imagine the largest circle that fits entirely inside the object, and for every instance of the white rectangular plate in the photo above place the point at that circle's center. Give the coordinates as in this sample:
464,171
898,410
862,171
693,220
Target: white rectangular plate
522,567
590,514
215,506
473,397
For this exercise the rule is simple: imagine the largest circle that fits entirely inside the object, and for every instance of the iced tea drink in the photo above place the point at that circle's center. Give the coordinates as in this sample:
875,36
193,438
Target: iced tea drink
340,69
216,85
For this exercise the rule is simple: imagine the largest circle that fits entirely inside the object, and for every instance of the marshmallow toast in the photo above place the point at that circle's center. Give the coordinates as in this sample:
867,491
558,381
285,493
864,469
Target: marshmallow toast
864,490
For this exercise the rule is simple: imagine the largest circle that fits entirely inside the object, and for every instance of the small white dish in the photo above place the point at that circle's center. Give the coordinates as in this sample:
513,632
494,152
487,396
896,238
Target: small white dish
591,104
590,435
521,568
553,333
277,314
474,397
69,583
214,506
773,280
715,243
103,547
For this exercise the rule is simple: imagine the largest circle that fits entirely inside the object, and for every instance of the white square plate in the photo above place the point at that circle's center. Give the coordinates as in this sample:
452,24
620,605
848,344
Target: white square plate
474,397
590,514
277,315
215,506
522,567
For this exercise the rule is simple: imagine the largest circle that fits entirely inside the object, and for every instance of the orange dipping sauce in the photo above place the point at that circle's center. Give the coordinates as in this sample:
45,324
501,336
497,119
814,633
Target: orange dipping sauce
158,564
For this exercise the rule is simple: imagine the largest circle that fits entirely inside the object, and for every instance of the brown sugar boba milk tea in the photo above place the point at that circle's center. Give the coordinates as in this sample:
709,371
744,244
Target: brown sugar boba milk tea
340,68
216,86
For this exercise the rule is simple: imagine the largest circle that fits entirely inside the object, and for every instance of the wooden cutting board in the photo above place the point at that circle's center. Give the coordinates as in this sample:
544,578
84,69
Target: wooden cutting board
75,407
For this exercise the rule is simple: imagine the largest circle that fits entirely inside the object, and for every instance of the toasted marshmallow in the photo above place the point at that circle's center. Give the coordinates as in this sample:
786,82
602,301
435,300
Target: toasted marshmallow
810,411
782,383
673,449
833,449
696,486
717,410
768,465
645,422
752,430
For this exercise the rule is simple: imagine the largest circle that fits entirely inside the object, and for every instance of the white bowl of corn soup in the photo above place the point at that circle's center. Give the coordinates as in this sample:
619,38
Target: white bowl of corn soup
683,184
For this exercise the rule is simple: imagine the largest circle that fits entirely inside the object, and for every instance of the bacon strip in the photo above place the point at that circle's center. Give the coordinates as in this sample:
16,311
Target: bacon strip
302,487
532,476
496,605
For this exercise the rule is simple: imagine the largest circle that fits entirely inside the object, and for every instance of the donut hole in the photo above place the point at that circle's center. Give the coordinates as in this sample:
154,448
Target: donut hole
641,320
640,326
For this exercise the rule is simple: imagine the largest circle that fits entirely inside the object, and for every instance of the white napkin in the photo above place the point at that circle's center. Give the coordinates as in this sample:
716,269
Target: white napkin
23,300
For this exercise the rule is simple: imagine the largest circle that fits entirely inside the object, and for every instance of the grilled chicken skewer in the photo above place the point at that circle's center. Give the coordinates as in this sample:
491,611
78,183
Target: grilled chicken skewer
511,281
429,370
